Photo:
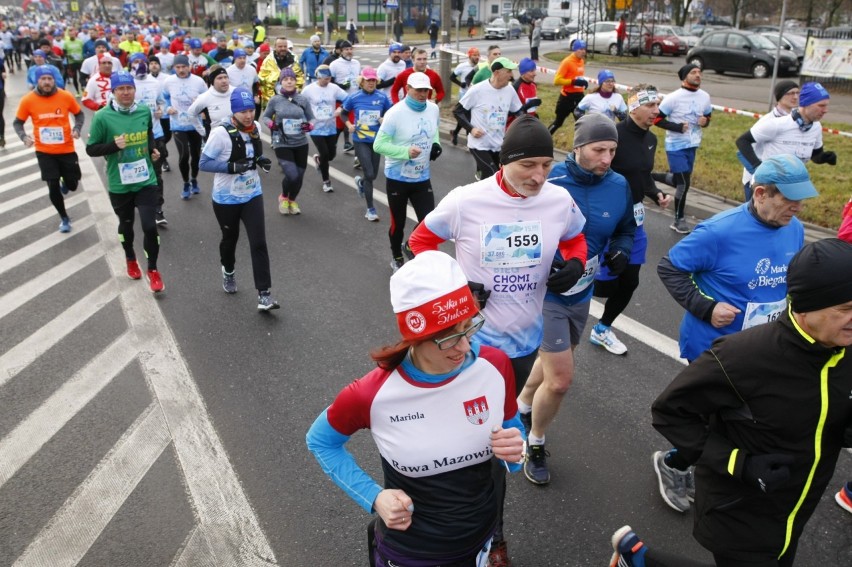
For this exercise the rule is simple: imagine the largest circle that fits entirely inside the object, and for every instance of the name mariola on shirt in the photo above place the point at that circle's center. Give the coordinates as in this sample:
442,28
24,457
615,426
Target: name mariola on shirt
445,462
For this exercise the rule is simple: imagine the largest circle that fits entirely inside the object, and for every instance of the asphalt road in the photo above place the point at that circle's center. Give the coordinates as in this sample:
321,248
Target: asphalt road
261,379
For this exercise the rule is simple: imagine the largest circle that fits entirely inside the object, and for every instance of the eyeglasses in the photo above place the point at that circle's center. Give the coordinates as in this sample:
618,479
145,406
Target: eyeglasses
449,342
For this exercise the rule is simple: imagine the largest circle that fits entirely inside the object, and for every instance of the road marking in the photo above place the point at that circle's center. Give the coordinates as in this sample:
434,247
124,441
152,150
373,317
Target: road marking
13,155
41,215
27,351
41,283
81,519
226,518
21,165
642,333
40,246
20,181
41,425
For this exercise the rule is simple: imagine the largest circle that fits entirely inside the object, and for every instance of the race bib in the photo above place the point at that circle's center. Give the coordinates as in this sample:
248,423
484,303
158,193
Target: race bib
291,126
760,313
510,245
245,184
133,172
184,118
496,120
51,135
587,278
639,213
323,112
368,117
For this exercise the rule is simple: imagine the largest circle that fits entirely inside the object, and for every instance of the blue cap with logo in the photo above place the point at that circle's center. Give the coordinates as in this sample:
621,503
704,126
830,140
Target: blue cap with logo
241,99
812,93
121,79
788,173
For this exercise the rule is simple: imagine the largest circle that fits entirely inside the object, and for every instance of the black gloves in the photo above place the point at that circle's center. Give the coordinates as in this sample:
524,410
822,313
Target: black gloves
828,157
767,472
480,294
616,262
580,82
563,275
240,166
436,151
263,163
531,103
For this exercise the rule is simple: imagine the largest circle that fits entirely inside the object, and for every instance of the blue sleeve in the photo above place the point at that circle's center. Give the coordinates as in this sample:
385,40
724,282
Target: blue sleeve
207,163
515,422
167,97
622,238
348,102
326,443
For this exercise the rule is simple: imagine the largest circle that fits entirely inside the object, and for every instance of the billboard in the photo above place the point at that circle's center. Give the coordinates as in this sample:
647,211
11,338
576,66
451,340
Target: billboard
828,57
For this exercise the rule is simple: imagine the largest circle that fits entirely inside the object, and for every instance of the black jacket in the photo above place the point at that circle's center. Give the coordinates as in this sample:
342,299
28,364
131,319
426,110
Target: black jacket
634,159
769,389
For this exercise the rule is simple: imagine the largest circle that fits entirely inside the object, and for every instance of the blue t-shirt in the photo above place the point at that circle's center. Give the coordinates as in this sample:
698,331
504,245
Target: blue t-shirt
735,258
368,109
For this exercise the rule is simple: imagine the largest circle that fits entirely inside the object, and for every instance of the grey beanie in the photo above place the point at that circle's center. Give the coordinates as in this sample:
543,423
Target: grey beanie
181,60
594,128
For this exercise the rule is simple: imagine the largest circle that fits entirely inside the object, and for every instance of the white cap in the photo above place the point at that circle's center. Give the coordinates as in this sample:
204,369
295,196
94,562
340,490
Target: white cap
419,80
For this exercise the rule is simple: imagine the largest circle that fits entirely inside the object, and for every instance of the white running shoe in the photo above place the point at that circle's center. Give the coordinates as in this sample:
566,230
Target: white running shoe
608,340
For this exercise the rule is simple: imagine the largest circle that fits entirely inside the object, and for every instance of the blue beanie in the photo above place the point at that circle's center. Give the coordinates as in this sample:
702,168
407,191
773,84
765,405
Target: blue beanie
812,93
241,99
42,70
578,45
395,47
195,43
40,53
605,75
135,56
526,65
239,53
120,79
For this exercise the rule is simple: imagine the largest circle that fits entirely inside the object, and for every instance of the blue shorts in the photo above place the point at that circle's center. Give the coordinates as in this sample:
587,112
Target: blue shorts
637,254
681,161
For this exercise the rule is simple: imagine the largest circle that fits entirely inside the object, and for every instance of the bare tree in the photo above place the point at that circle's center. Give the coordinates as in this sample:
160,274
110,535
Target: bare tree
739,7
832,7
680,10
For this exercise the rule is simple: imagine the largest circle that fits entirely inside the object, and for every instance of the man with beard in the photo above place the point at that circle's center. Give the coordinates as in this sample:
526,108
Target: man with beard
344,73
270,70
312,57
98,86
421,65
53,137
390,68
180,91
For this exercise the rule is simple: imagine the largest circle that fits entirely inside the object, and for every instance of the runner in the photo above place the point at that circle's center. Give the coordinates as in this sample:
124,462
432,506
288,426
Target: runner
122,133
421,65
312,57
234,152
49,108
288,117
269,72
344,73
459,77
180,91
323,96
570,77
390,68
98,87
149,91
214,105
603,99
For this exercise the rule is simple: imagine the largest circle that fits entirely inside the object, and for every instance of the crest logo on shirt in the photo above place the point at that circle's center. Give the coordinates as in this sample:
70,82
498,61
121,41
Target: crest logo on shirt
476,410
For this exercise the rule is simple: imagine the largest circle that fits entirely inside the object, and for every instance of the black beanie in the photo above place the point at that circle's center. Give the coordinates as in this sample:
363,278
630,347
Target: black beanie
215,71
527,137
783,87
685,70
820,275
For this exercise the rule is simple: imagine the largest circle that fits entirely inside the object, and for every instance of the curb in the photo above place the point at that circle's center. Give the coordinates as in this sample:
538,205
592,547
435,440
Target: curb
700,205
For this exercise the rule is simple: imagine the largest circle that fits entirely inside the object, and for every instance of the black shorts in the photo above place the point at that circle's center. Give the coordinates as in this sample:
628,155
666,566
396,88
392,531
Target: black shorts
54,166
145,197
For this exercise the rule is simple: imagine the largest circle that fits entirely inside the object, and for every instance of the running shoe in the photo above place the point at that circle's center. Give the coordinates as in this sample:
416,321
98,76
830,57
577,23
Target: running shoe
316,161
628,549
690,484
65,225
680,226
184,194
283,205
371,215
326,187
195,188
356,163
455,138
844,497
161,218
133,271
348,148
608,340
294,208
526,421
499,555
396,263
2,139
166,167
535,465
63,188
229,281
155,282
359,184
672,483
265,302
406,249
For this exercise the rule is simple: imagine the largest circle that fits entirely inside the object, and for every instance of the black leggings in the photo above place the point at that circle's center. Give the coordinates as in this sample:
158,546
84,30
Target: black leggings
145,200
293,162
251,215
72,74
189,148
2,105
55,192
564,108
400,193
370,166
487,162
327,149
618,291
657,558
166,123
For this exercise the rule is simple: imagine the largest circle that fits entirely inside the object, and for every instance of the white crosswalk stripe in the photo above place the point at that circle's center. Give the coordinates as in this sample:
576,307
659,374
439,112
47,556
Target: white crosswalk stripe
226,531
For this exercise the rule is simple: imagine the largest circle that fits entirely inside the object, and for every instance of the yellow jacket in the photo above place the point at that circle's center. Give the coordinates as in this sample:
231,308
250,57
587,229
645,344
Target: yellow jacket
268,75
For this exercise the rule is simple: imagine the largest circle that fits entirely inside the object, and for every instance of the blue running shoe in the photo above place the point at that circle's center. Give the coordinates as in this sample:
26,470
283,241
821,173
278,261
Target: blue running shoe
63,188
185,193
359,183
628,549
65,225
195,188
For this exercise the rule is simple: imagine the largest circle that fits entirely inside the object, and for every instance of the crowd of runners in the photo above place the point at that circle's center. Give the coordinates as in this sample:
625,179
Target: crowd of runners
756,421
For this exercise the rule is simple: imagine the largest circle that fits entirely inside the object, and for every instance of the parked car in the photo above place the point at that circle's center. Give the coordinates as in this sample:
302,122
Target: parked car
600,38
526,16
553,28
740,51
661,43
500,29
762,28
690,39
791,42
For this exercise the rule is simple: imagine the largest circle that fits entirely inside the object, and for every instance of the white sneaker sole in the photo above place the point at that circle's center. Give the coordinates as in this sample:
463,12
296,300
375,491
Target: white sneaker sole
609,348
662,486
841,502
